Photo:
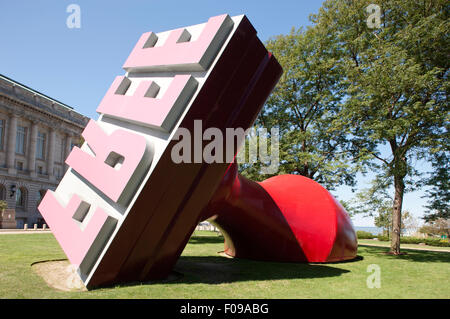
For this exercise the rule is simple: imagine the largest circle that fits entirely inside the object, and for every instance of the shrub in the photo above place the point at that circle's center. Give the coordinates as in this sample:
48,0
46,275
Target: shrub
383,238
3,205
437,242
444,243
413,240
364,235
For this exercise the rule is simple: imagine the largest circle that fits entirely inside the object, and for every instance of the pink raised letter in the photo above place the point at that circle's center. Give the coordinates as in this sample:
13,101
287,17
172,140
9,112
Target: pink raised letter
74,241
117,157
177,54
143,107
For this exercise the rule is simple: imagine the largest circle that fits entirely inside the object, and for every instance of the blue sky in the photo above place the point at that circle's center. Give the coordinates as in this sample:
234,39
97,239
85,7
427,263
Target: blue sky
77,66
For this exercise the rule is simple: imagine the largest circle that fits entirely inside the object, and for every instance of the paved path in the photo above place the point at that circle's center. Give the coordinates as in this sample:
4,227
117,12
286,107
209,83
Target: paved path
22,231
409,248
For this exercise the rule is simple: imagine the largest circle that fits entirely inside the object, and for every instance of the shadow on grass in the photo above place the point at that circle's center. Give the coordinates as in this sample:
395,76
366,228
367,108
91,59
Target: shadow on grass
357,258
218,270
411,255
206,240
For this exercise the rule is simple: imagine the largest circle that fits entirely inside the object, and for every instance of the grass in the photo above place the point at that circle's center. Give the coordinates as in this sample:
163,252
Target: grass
206,274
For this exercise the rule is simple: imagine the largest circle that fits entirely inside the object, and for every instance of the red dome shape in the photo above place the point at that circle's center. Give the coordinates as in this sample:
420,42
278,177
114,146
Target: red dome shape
286,218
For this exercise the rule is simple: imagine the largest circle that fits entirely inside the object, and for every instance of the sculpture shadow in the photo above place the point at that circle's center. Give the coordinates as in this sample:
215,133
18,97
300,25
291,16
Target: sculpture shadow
217,239
356,259
218,270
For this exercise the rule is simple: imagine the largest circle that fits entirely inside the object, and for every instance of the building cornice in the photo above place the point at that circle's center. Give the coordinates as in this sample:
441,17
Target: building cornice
17,93
25,177
19,109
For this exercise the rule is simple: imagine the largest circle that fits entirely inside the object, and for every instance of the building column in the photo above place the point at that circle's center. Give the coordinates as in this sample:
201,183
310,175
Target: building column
11,144
32,150
67,150
51,154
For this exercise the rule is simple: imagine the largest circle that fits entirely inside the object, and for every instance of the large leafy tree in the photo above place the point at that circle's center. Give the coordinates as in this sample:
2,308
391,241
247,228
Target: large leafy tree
439,192
396,76
377,202
303,107
374,202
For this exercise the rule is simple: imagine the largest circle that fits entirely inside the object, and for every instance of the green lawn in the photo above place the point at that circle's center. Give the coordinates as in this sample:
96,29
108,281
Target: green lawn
208,275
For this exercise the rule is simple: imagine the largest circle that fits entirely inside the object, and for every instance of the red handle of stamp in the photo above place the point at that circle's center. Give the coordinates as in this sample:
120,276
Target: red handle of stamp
286,218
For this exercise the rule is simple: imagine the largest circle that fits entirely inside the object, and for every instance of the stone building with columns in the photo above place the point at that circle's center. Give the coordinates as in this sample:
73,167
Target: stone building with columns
36,135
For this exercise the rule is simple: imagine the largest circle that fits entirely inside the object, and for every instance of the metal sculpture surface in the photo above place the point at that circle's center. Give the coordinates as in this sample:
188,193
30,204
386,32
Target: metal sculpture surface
125,210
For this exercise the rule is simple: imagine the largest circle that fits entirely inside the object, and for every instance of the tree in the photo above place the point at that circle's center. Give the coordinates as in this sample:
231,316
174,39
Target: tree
375,201
409,223
384,221
437,227
303,107
439,194
396,77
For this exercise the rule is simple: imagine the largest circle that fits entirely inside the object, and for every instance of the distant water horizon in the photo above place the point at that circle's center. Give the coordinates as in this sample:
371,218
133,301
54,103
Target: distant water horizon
372,230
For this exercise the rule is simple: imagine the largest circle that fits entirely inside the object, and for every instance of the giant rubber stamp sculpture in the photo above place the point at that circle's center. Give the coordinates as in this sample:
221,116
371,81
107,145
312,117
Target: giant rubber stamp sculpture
125,209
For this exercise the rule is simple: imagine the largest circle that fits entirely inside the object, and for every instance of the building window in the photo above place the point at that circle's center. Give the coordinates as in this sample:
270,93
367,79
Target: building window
2,192
21,198
20,140
41,195
19,166
59,156
40,145
40,170
2,127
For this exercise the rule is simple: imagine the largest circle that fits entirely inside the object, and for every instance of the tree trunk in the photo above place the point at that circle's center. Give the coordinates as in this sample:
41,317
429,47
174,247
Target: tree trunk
397,215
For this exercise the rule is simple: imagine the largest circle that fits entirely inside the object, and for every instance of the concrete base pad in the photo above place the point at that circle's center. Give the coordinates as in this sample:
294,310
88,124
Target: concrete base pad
59,274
